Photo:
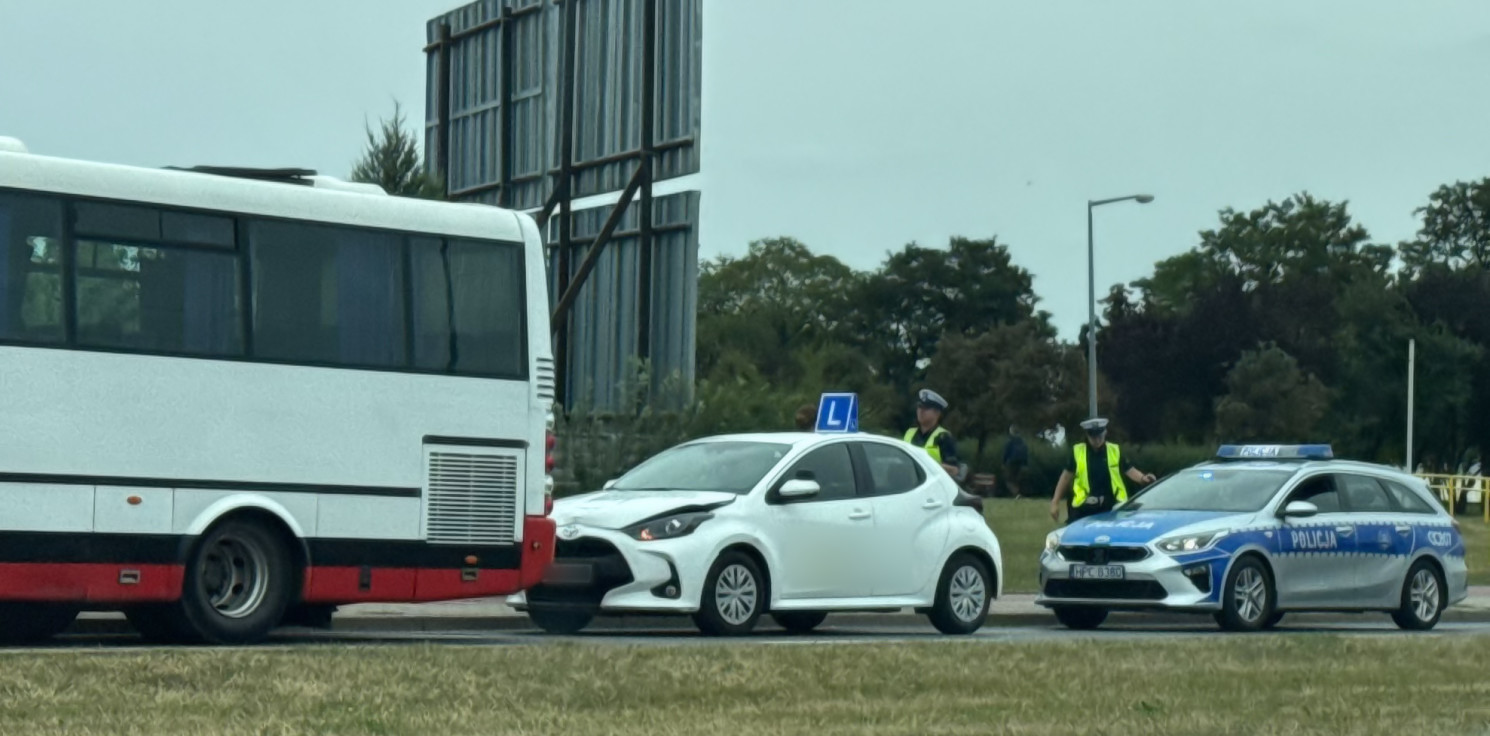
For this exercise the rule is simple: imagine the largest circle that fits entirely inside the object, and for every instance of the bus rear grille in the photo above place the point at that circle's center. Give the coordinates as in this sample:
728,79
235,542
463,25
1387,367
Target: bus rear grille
472,498
546,379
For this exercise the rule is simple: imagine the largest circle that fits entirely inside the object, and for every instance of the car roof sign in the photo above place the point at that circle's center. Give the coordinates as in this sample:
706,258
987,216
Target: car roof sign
838,413
1275,452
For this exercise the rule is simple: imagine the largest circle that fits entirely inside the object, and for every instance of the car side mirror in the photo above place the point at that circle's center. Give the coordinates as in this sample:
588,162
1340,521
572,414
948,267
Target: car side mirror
609,485
799,488
1299,509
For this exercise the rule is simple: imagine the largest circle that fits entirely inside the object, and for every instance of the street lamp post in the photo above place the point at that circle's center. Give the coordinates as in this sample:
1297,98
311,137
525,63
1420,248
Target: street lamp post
1091,287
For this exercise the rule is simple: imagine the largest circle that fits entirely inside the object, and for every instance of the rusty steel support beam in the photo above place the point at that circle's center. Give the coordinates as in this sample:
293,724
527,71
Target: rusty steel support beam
561,311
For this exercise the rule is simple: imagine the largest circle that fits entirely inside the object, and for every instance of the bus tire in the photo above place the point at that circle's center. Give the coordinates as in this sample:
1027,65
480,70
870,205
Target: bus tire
238,583
30,623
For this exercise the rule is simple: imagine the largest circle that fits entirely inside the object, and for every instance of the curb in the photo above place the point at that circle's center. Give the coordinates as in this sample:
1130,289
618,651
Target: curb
453,624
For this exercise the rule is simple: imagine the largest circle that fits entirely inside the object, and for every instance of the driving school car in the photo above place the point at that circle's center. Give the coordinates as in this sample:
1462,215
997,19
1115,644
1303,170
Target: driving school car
1261,531
793,525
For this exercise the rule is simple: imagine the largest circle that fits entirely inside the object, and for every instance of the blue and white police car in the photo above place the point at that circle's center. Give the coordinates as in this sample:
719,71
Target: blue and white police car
1257,532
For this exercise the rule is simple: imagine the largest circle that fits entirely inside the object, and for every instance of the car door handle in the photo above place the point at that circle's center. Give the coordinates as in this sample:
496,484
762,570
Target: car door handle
1404,529
931,503
857,514
1345,531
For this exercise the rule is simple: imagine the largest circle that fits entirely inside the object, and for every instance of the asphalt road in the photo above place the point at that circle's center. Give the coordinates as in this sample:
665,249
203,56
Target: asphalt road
625,633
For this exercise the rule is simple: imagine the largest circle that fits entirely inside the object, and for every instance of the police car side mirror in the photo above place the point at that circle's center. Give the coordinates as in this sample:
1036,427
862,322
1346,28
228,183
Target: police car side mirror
1300,509
609,485
799,488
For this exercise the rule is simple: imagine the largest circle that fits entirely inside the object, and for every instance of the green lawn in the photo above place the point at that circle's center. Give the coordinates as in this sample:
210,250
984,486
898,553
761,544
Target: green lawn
1021,526
1298,684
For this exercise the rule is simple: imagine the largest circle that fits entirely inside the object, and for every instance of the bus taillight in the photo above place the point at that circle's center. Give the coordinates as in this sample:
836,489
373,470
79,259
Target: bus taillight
549,443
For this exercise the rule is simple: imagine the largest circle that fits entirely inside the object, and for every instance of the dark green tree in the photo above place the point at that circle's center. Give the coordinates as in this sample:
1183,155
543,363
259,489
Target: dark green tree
392,161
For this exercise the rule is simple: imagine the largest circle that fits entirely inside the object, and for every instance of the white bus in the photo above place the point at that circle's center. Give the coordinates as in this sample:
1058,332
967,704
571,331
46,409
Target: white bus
235,399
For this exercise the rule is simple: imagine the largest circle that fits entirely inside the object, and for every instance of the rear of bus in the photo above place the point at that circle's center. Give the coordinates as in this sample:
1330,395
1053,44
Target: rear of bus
237,410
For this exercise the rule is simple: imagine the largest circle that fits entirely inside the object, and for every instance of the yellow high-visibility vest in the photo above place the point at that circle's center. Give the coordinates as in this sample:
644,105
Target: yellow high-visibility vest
936,452
1083,485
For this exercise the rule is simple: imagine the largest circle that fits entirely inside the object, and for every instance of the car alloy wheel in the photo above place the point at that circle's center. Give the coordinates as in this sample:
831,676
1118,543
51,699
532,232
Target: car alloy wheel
1422,598
967,593
736,595
962,595
1247,598
1250,593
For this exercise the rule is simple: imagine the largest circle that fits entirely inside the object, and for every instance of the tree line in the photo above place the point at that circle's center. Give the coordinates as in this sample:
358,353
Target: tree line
1285,323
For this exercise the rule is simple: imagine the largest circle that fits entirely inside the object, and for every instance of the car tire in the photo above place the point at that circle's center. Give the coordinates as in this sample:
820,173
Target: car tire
734,594
799,622
1247,597
1273,620
1422,598
238,584
560,622
32,623
1080,617
962,596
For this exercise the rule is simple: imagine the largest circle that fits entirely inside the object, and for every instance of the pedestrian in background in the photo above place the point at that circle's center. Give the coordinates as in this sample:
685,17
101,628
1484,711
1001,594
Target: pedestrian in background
806,418
1016,457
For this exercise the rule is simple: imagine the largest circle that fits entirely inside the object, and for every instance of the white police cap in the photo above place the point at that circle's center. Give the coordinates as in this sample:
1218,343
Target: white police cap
932,400
1095,425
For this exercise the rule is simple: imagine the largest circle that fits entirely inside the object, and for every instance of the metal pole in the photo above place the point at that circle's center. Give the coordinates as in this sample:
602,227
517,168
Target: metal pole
1412,350
1091,325
644,238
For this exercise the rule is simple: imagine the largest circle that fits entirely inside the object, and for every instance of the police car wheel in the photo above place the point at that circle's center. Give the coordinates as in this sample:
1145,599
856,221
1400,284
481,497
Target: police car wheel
733,596
1273,620
1080,617
1422,598
1247,600
962,595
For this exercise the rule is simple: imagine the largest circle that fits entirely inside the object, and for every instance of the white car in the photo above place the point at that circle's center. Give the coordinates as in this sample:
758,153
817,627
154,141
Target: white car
796,525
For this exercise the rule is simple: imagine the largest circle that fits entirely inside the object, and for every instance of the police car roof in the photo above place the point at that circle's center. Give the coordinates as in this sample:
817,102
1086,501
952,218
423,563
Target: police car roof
1299,465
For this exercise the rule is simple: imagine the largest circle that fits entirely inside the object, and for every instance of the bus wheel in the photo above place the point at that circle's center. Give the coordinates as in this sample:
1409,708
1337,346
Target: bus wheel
238,583
29,623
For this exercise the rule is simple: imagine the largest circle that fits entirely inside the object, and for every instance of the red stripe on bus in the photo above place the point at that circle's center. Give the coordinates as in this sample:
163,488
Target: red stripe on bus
345,584
127,583
89,582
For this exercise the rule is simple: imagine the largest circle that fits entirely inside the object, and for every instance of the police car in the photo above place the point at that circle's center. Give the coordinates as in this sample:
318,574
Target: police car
795,525
1260,531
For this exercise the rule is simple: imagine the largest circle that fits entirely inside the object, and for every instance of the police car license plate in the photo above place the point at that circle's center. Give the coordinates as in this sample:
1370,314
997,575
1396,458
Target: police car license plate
1097,572
562,574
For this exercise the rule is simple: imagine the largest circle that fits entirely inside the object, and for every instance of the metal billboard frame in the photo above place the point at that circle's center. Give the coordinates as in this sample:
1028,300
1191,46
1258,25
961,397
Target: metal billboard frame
639,184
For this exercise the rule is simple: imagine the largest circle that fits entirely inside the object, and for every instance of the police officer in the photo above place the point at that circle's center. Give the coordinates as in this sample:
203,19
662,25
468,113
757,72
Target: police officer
931,435
1097,468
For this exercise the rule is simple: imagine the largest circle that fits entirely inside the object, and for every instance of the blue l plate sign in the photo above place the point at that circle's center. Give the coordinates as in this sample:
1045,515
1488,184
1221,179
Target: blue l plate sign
838,413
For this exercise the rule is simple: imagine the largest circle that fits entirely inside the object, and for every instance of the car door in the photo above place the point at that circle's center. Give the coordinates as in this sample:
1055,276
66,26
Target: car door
910,526
1313,566
1384,539
820,541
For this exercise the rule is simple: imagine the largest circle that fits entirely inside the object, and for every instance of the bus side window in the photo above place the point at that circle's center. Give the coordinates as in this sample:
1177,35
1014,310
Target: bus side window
30,269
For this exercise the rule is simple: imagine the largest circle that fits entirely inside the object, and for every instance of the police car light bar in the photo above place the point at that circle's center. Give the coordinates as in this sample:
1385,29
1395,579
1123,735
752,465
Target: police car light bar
1275,452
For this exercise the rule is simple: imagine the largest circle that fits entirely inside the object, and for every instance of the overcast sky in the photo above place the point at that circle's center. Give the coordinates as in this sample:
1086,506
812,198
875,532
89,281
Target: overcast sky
854,125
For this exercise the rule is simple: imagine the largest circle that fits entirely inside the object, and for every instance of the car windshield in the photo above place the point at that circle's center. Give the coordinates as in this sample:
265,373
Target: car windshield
732,466
1213,489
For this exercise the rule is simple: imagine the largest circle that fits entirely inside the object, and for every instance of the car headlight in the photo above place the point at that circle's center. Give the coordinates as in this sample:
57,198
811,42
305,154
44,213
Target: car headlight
1189,542
1052,541
668,527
